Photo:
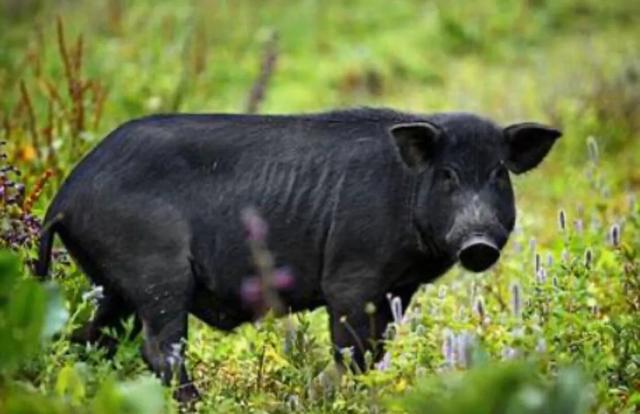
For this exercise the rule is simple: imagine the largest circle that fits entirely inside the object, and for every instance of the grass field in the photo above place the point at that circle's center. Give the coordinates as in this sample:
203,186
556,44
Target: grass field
554,328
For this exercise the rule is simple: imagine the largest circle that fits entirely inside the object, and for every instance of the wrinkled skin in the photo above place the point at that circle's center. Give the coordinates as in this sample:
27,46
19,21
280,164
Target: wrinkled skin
359,203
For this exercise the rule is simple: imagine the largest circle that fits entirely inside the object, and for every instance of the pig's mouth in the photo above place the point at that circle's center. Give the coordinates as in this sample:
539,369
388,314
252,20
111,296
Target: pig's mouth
478,253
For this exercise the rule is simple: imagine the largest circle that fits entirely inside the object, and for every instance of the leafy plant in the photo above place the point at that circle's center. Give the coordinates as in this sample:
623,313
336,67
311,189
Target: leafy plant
503,388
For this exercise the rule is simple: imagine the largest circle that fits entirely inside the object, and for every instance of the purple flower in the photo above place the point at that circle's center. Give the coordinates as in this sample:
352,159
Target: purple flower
283,279
255,226
396,309
464,347
251,292
448,351
509,353
384,363
517,246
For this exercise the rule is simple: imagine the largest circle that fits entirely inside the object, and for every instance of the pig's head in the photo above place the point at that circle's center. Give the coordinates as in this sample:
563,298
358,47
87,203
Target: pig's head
464,202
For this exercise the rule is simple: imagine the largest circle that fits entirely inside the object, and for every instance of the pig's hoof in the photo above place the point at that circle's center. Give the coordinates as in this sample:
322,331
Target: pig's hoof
187,395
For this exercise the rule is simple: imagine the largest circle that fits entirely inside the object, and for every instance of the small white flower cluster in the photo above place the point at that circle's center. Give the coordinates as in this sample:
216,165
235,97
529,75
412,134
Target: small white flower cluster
94,296
174,359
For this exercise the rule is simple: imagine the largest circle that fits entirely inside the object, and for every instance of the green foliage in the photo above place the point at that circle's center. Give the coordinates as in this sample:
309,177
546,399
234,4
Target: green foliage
144,395
572,63
503,388
29,313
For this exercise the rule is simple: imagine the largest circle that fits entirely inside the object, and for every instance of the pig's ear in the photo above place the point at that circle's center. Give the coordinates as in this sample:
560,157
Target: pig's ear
527,145
415,142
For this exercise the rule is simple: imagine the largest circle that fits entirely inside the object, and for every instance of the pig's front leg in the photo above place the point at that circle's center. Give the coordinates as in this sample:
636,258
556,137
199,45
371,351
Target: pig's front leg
358,316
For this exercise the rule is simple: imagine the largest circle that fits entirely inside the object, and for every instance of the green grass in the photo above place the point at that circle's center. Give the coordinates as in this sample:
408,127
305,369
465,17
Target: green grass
574,64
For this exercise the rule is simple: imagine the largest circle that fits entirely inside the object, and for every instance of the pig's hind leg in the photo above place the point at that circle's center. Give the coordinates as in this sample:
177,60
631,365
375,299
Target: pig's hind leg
148,262
163,310
112,310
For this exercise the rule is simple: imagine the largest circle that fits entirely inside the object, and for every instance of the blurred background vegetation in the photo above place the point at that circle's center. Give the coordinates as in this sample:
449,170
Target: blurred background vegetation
71,71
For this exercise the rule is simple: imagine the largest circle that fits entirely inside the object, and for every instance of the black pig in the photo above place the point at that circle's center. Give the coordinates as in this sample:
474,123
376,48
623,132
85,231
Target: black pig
360,203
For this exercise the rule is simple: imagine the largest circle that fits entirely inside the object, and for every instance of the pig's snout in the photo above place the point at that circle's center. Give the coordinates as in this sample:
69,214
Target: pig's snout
478,253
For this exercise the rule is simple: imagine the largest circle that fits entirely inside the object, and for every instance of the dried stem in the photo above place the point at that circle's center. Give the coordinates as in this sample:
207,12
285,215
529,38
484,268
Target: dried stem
269,59
37,191
31,118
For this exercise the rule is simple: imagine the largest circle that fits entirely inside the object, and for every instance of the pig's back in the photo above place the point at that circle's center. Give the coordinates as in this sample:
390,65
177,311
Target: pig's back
159,155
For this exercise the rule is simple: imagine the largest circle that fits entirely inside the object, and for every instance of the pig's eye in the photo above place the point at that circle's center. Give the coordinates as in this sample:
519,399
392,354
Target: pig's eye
500,175
447,178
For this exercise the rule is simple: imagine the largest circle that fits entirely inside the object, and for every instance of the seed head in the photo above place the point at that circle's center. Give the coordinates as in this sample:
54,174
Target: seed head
479,308
464,347
289,339
578,225
370,308
541,346
448,347
516,299
293,403
588,257
562,220
592,147
442,292
614,235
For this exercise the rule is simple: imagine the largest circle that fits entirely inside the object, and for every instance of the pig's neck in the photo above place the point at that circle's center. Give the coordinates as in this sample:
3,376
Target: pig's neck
425,243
